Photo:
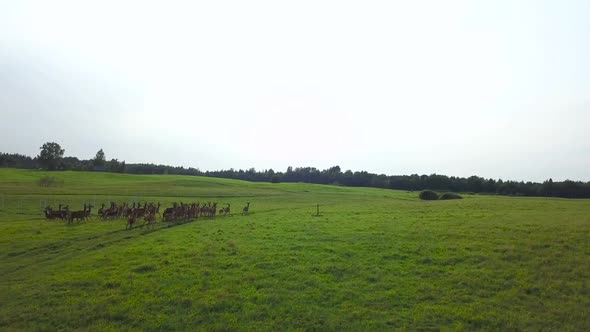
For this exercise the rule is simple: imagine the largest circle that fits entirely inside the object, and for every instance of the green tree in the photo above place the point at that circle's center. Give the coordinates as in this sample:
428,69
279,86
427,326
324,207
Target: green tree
50,156
548,188
115,166
99,160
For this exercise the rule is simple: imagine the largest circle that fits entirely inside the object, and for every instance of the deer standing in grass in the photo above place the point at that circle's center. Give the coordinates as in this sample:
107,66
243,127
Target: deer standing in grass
131,219
88,215
150,219
78,215
224,210
61,214
214,209
245,209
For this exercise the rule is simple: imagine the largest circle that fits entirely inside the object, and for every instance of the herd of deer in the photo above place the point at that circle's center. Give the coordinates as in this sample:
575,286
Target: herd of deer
149,212
64,213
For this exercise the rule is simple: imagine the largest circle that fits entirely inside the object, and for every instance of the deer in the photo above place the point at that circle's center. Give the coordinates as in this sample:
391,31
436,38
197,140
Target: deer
88,216
245,209
139,211
47,212
101,211
204,211
125,209
150,219
50,214
78,215
169,214
214,209
170,210
60,213
224,210
131,221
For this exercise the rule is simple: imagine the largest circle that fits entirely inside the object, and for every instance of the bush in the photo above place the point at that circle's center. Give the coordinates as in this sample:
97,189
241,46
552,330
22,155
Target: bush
450,196
428,195
49,181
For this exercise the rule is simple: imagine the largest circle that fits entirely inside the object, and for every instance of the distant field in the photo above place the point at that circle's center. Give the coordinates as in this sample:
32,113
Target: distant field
374,260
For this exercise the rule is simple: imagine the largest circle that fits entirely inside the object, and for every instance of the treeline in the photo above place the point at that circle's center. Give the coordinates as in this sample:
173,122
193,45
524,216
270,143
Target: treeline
161,169
52,158
15,160
472,184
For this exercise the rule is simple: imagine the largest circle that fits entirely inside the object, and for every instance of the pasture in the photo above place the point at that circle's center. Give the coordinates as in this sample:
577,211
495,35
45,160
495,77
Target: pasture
373,260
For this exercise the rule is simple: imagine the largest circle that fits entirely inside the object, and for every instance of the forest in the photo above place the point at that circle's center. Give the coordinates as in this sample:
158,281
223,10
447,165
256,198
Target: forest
51,158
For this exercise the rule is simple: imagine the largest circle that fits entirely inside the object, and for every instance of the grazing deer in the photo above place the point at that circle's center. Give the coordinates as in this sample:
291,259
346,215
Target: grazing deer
245,209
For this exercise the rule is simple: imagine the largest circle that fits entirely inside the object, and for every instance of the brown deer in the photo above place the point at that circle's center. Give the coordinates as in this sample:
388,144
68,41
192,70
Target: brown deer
78,215
60,213
101,211
140,212
88,216
225,210
131,221
213,209
47,212
50,214
150,219
170,210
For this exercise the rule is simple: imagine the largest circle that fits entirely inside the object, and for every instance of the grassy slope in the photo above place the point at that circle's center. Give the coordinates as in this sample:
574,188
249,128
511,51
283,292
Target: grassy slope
375,260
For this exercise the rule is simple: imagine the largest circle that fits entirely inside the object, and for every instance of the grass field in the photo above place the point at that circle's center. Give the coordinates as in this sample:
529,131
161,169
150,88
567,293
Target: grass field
374,260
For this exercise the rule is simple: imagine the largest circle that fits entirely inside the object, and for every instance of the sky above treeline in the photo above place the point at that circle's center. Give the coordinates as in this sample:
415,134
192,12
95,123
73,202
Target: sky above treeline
498,89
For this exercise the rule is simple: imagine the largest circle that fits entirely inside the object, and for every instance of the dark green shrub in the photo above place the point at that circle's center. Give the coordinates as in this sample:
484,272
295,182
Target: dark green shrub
428,195
450,196
50,181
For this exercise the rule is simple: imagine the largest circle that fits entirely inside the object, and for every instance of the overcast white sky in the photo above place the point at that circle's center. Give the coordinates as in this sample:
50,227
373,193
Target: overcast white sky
493,88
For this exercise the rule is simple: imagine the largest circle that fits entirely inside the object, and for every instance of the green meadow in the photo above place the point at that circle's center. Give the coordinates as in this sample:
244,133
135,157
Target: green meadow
373,260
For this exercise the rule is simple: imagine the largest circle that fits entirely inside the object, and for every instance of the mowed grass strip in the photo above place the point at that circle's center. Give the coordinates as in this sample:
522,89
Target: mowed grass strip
374,259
